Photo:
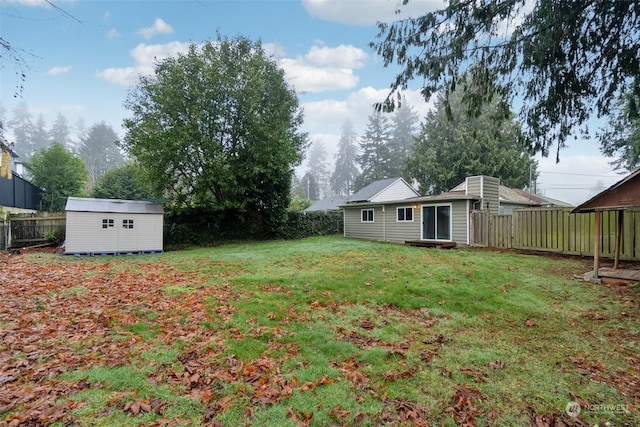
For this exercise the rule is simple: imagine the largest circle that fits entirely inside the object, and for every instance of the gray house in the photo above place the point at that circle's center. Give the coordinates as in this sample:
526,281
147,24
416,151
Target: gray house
108,226
404,215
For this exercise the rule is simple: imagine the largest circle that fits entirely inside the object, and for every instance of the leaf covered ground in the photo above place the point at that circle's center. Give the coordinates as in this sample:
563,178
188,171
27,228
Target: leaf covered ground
323,331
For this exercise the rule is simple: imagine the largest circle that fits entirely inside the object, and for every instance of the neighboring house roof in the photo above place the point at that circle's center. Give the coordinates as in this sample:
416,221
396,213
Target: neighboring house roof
327,204
624,194
516,196
384,190
81,204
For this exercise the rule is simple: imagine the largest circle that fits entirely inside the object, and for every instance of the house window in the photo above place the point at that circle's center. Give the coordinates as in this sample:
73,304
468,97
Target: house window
436,222
404,214
367,215
107,223
127,223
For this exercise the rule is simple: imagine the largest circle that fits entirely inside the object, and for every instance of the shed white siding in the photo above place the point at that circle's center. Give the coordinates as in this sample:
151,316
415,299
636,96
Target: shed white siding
136,227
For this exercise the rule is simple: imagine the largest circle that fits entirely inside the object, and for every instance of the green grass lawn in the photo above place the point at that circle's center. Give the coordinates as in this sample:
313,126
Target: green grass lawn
321,331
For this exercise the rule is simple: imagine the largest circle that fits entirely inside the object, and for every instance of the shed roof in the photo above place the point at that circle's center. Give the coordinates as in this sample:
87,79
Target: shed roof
624,194
82,204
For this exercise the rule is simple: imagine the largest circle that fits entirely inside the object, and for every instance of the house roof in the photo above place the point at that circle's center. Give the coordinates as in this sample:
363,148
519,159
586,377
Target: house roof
375,188
82,204
449,196
327,204
368,192
624,194
516,196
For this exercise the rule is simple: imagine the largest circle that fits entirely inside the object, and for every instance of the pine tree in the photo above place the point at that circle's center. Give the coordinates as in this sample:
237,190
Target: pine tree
406,124
317,166
59,131
22,127
375,158
40,135
346,171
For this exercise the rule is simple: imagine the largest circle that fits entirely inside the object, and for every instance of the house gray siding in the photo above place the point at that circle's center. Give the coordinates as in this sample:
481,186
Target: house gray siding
488,188
387,228
354,227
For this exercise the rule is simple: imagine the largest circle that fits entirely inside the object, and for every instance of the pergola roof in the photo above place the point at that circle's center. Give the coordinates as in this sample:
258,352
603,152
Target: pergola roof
624,194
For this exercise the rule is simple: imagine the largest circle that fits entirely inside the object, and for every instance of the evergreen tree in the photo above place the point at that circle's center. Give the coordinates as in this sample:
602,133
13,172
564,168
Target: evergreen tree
621,138
375,155
563,60
123,182
405,124
346,171
317,166
22,127
59,131
100,151
453,145
309,187
40,135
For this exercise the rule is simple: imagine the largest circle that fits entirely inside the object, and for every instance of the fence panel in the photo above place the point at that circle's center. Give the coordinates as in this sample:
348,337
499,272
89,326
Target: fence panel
557,230
478,228
501,231
34,229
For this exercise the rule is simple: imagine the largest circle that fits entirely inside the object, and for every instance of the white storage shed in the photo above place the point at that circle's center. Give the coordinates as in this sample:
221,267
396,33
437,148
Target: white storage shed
110,226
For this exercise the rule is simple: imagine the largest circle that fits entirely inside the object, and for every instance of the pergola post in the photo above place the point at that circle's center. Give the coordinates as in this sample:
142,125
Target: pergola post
616,260
596,244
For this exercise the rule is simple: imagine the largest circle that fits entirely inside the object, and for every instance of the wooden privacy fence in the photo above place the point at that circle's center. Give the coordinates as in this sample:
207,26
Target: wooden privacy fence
33,229
557,230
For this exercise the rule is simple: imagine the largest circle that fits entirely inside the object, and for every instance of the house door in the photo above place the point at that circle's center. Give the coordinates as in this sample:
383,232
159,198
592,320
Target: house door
436,222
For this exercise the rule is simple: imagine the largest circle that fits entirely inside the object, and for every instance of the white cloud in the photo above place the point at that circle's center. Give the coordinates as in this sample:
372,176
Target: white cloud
56,71
29,2
159,27
331,113
324,68
145,56
113,34
368,12
107,16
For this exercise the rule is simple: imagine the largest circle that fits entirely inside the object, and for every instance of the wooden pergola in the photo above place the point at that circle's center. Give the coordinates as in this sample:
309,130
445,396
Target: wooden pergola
621,196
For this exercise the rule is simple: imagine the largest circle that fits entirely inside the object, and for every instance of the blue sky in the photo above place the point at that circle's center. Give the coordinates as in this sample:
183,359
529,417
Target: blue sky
84,57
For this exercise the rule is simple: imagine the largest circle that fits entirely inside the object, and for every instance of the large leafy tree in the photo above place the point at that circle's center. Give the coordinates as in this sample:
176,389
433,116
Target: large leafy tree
562,60
452,146
99,150
375,154
346,171
621,138
219,126
59,172
124,182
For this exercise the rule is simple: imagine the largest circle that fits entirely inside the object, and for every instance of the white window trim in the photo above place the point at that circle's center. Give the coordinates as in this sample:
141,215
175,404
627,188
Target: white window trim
405,214
450,239
373,215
